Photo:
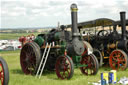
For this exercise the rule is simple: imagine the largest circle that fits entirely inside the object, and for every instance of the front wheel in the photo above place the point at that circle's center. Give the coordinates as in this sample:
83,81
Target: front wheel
64,67
92,65
4,73
118,60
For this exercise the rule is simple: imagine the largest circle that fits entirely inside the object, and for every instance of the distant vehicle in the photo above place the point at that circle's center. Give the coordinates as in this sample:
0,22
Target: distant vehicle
9,45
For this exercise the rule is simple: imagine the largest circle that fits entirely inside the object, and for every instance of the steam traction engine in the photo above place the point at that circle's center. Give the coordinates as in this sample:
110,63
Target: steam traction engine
118,58
112,46
59,50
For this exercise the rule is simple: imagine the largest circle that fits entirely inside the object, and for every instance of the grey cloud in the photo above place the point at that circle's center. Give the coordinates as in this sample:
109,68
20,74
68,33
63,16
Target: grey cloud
48,8
57,3
11,4
122,5
83,4
105,11
50,12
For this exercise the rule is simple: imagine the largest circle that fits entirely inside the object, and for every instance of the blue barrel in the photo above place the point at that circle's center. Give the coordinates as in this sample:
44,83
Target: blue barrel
104,78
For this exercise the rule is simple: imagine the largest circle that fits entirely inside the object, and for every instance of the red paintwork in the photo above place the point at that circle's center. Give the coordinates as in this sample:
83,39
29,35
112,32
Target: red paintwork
1,74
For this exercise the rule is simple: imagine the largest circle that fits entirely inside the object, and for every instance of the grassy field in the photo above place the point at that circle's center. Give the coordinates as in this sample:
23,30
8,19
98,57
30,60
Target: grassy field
17,77
4,36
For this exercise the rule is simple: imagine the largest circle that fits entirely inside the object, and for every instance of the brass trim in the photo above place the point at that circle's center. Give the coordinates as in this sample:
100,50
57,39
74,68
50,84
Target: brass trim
74,9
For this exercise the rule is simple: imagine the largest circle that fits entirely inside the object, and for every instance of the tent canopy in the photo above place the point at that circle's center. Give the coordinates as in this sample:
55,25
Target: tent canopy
94,23
98,22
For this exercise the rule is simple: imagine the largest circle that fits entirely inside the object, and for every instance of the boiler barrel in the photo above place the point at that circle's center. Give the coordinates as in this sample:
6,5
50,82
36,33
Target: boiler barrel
123,45
39,40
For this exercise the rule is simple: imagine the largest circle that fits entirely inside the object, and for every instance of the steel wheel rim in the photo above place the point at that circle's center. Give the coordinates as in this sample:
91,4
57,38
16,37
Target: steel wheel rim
1,74
99,56
28,59
90,68
117,60
63,67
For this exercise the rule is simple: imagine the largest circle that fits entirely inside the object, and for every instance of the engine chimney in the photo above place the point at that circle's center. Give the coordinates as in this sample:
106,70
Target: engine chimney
76,47
123,25
74,10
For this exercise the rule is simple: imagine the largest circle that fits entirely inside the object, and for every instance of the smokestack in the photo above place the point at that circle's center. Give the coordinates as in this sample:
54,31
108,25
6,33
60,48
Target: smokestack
123,25
76,47
74,10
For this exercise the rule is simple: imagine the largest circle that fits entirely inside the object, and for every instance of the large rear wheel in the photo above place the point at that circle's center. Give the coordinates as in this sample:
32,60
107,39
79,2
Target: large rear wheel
118,60
64,67
30,57
4,73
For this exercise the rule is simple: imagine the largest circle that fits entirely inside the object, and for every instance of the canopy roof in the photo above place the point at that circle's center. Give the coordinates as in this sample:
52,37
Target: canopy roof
94,23
97,22
119,23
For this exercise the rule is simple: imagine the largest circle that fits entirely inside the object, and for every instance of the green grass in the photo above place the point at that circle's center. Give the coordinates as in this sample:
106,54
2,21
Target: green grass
17,77
4,36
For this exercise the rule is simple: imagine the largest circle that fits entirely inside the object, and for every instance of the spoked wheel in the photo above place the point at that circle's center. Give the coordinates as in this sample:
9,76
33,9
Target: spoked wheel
4,73
30,57
92,65
118,60
64,67
98,55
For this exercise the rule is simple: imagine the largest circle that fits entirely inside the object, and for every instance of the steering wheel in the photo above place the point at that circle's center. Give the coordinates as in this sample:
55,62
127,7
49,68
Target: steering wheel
102,33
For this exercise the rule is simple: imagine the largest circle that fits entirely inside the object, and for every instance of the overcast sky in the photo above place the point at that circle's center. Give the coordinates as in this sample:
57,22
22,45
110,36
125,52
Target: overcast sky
44,13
